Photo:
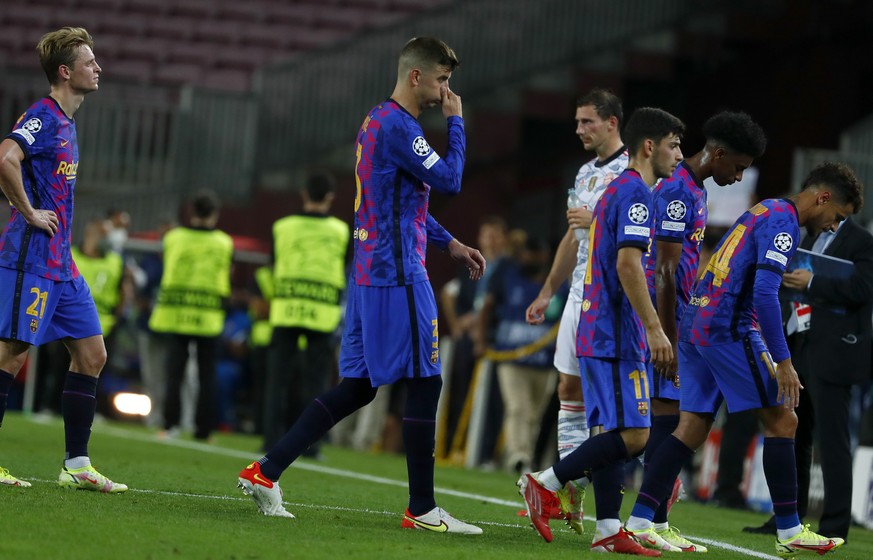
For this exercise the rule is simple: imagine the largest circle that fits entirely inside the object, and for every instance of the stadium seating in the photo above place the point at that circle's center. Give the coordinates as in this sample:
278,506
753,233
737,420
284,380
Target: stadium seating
200,42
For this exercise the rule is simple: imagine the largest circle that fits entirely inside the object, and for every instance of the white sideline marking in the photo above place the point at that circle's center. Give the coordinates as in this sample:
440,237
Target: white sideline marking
207,448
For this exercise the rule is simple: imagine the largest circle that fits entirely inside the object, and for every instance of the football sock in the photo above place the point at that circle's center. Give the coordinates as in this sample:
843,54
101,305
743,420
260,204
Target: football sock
419,429
660,476
608,485
572,430
6,380
78,404
662,427
599,451
780,471
315,421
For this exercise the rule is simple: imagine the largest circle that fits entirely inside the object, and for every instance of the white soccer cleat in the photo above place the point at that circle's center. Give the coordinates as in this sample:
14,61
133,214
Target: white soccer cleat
87,478
438,520
9,480
266,493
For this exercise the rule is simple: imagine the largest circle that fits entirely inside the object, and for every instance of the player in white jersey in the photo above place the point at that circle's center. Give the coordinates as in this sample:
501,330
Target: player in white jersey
598,118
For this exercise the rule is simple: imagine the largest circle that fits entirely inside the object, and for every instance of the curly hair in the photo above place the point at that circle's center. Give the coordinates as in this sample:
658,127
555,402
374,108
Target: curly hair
737,132
840,178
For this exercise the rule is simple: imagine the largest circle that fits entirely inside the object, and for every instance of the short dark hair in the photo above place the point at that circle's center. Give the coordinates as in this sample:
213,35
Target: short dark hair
205,203
737,132
605,103
60,48
841,180
319,185
494,220
650,123
427,53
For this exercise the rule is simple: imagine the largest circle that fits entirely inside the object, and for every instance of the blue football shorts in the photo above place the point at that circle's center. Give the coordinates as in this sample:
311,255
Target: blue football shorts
390,333
38,310
741,373
616,393
663,388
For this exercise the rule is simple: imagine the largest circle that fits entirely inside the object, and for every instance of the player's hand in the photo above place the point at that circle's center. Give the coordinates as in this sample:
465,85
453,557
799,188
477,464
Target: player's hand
797,279
45,220
451,102
659,347
670,370
469,257
535,313
789,384
579,217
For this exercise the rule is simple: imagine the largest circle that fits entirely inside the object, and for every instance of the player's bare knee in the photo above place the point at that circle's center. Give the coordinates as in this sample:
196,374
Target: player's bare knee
569,388
693,429
13,354
635,440
778,421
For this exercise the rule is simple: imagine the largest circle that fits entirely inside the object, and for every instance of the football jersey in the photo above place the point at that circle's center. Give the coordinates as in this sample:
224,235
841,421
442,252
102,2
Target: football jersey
721,309
591,180
680,217
608,325
395,170
51,159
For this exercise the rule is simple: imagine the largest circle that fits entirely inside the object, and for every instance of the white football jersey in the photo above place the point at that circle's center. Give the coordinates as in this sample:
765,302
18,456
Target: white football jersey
591,180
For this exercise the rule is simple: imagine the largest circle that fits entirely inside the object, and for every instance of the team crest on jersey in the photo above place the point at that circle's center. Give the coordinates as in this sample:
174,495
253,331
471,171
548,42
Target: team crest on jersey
676,210
34,325
676,381
420,146
592,182
434,356
643,408
638,213
783,242
586,305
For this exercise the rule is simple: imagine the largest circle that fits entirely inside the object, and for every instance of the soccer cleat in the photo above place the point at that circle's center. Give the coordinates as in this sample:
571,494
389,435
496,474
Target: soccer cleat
9,480
649,538
539,502
806,541
266,493
623,542
87,478
438,520
570,498
671,535
677,495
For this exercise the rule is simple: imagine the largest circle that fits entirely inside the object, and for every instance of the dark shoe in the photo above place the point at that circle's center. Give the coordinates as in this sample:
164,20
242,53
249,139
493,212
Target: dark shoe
767,528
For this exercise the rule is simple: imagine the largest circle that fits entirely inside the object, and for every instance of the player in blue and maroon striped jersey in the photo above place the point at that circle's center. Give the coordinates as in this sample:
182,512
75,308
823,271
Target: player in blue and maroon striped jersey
733,140
732,348
618,323
43,296
391,329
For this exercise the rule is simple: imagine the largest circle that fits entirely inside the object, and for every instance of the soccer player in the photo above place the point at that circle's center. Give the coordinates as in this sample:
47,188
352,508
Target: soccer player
391,318
733,140
617,322
598,118
44,298
723,355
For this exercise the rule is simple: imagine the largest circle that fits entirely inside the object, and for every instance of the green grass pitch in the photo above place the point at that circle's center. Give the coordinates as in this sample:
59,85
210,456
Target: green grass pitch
183,504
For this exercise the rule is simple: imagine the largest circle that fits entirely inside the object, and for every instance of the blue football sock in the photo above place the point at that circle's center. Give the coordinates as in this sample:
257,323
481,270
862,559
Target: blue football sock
78,404
315,421
662,427
6,380
780,470
595,453
660,475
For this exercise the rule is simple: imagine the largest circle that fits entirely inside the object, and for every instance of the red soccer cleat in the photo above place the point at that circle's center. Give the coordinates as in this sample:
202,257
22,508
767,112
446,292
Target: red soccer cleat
623,542
540,504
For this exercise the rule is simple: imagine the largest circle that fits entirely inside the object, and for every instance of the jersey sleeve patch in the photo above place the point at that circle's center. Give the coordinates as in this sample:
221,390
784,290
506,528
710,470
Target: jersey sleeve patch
676,210
420,146
431,160
28,129
777,256
637,230
638,213
673,226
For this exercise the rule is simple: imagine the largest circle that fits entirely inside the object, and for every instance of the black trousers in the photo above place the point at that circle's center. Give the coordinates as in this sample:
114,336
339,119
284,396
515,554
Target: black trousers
295,376
177,358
